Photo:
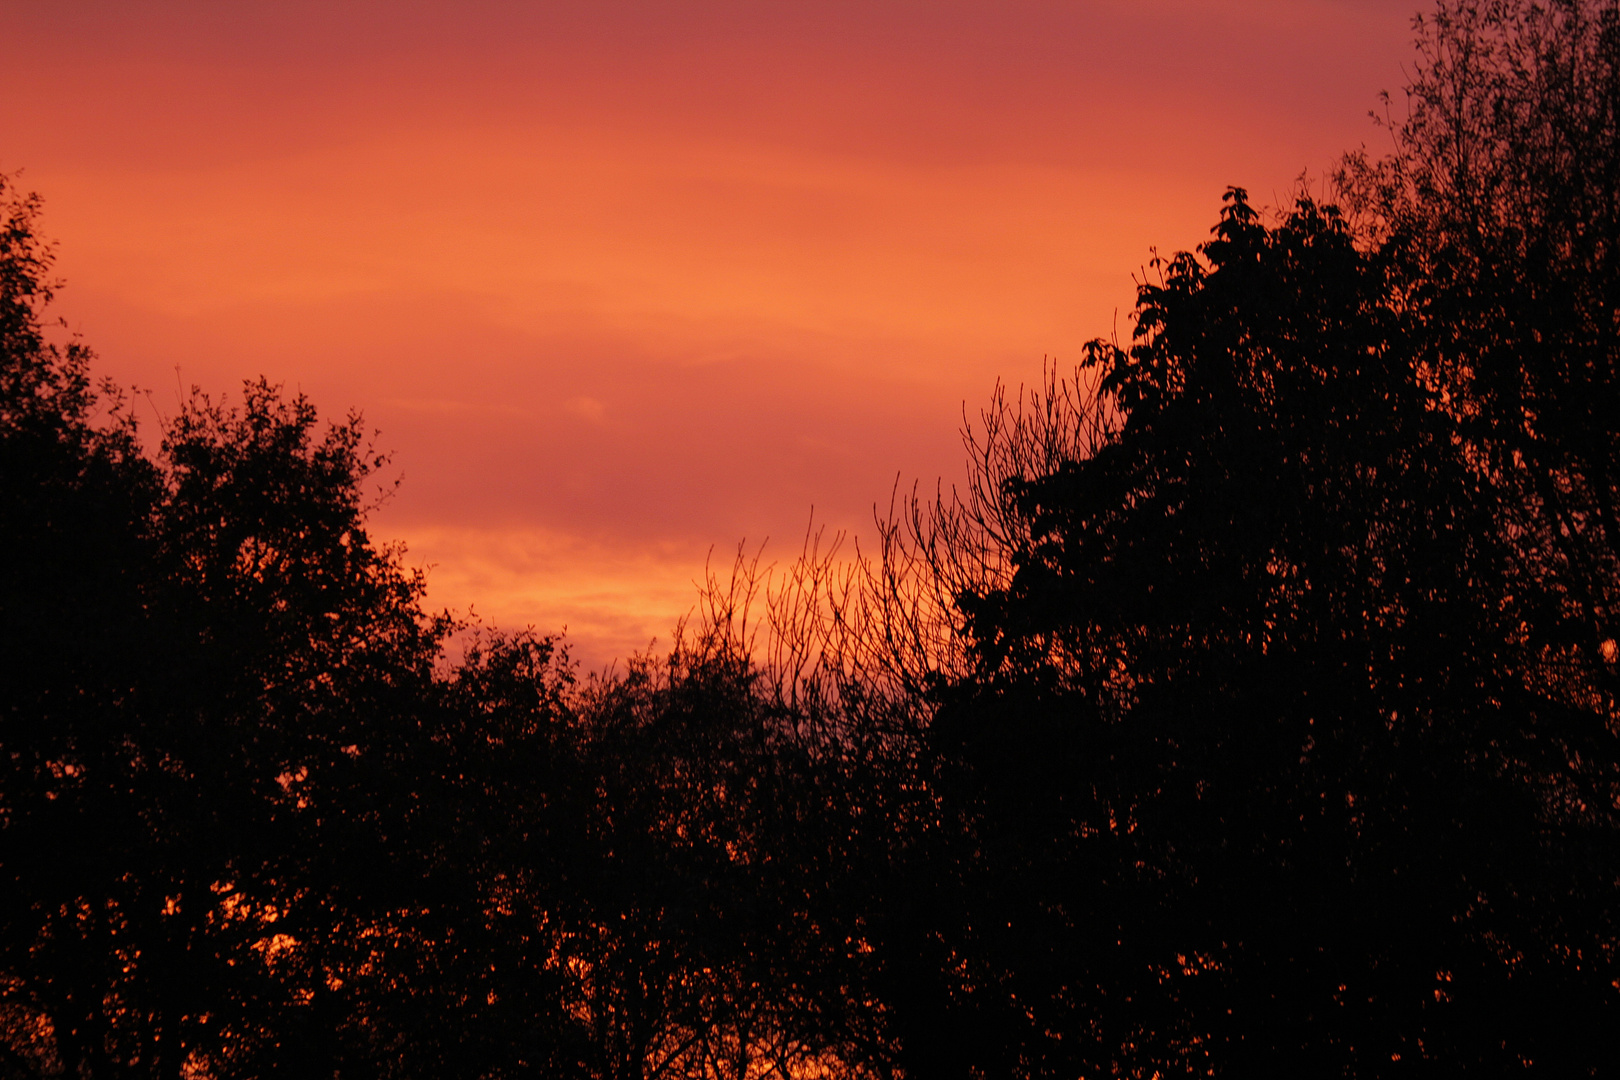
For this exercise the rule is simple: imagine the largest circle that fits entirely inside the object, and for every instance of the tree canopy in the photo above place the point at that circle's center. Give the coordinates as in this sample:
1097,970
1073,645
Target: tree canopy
255,822
1252,711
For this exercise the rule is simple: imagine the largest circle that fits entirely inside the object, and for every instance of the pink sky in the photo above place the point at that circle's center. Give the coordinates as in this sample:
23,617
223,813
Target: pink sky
624,282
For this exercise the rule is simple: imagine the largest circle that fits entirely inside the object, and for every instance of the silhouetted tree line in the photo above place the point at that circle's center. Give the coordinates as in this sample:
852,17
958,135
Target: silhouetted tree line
1251,711
254,822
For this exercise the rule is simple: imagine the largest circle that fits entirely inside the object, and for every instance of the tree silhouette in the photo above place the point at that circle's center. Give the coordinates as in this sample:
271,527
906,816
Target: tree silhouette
216,685
1269,664
255,823
1253,711
1251,724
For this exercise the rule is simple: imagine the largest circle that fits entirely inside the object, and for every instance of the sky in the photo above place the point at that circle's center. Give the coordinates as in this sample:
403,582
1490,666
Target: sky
623,285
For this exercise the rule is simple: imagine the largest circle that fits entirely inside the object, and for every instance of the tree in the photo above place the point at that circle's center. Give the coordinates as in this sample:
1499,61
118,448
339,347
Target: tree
253,822
1271,661
1255,764
75,494
1503,192
210,673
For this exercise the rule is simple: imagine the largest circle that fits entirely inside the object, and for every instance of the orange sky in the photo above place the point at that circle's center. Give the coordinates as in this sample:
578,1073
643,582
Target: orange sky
622,282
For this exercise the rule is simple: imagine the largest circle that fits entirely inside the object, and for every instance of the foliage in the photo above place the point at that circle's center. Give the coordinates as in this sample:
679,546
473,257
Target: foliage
1274,728
254,823
1253,741
1251,711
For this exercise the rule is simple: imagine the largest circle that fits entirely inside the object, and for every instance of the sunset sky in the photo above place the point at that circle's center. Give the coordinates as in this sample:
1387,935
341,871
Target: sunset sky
621,283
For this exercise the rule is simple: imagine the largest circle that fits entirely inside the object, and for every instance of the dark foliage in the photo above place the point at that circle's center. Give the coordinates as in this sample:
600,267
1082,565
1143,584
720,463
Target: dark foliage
1253,712
1266,772
253,823
1285,738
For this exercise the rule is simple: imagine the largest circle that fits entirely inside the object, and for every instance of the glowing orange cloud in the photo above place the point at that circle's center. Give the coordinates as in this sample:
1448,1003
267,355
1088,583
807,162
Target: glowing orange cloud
622,282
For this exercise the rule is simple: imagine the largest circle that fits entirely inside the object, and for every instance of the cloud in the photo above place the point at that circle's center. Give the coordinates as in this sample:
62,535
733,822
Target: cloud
622,282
